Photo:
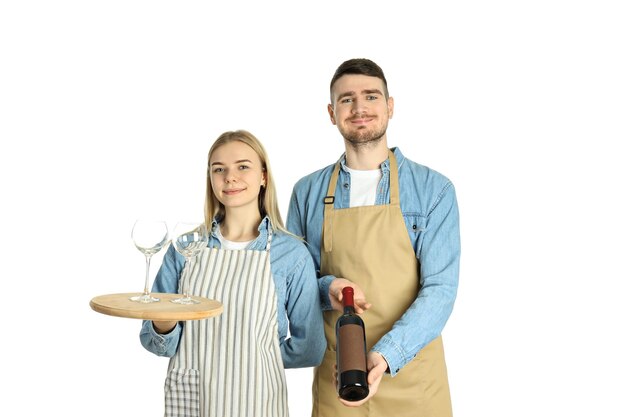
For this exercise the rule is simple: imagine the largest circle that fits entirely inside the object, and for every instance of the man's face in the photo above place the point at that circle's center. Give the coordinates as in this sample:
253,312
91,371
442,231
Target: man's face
359,109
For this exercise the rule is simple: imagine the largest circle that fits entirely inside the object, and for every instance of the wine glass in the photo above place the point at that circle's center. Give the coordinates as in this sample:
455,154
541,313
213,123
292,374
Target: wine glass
189,238
149,236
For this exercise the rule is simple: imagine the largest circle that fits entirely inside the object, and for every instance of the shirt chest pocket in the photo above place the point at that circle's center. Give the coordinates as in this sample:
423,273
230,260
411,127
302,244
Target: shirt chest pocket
415,226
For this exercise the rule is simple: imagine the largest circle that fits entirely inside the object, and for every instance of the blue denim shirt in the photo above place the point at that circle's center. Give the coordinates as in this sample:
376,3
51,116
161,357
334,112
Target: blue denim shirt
429,207
299,310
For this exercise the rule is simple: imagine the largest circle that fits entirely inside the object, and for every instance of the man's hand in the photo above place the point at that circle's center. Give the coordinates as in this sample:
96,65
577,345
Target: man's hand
376,367
335,295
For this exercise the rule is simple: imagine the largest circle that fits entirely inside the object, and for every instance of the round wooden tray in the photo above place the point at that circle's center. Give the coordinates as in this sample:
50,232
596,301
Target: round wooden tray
120,305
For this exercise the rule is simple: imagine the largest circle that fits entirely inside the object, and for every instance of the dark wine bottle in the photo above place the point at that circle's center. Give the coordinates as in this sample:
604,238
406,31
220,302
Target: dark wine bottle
351,362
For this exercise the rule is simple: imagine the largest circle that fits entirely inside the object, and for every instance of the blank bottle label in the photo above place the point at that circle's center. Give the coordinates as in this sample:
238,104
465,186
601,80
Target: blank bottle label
351,348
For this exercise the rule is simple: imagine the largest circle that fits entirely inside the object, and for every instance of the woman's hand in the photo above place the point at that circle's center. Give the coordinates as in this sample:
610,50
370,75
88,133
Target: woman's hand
335,295
164,327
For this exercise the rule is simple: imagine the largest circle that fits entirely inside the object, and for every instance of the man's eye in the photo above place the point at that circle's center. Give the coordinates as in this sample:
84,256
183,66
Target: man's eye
372,97
346,100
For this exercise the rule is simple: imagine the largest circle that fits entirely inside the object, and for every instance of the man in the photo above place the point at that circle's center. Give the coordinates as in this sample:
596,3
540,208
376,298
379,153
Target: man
388,227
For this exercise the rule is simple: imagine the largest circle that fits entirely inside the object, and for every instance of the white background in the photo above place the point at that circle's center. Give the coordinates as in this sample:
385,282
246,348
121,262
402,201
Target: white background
107,111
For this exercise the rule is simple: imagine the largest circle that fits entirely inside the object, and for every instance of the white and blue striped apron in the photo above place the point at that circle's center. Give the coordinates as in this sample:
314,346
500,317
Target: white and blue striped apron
229,365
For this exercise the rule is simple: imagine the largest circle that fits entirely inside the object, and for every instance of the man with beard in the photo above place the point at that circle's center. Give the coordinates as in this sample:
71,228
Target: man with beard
389,228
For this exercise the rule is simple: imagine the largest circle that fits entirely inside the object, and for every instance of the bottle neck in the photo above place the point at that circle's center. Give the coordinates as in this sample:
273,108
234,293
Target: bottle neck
348,300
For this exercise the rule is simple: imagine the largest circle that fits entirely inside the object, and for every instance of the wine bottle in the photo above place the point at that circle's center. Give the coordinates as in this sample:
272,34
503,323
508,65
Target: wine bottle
351,363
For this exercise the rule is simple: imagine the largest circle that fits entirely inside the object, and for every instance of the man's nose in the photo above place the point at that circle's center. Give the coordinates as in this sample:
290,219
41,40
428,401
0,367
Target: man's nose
359,106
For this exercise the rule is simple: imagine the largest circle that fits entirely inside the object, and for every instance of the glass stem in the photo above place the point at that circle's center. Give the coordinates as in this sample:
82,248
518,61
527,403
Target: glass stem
145,287
186,283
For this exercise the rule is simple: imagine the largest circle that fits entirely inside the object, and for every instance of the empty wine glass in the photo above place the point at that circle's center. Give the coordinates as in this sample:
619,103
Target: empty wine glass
189,238
149,236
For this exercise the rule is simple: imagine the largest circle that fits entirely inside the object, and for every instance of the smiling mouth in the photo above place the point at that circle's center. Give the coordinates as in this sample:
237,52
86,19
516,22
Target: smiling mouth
233,191
361,120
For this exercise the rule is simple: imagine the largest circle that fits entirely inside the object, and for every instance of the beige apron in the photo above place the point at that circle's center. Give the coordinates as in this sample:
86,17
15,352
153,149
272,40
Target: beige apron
370,246
229,365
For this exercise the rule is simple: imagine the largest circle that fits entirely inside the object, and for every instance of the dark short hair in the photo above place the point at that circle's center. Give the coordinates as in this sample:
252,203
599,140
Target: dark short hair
360,66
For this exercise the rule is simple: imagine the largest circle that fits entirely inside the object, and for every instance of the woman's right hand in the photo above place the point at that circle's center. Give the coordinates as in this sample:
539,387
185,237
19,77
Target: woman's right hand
163,327
335,295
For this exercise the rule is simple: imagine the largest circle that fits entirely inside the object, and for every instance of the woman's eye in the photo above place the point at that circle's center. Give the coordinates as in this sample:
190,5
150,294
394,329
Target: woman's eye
218,170
242,167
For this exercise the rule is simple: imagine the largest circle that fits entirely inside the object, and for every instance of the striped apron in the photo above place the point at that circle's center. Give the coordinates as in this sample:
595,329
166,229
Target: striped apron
229,365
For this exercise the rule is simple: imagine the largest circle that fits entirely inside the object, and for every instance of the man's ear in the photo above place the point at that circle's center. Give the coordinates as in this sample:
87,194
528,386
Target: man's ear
331,113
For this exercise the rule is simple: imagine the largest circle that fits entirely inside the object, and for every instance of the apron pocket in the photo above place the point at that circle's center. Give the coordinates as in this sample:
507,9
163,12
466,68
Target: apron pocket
182,393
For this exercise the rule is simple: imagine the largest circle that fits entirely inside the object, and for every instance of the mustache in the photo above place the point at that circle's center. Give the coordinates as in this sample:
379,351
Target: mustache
362,116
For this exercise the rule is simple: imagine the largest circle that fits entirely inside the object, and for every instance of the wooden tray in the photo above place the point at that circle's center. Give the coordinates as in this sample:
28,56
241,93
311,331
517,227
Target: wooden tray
119,305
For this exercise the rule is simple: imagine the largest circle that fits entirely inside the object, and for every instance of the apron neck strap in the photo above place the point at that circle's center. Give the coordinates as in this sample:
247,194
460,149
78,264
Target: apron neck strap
394,187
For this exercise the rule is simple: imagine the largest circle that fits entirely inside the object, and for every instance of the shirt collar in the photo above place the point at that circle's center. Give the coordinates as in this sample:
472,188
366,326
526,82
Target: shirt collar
260,240
384,165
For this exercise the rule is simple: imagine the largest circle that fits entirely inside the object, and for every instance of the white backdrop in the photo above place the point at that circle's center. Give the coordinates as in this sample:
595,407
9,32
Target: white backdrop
107,111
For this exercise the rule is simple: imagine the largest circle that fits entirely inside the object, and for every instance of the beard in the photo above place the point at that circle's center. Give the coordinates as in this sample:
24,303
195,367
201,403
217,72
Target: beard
364,137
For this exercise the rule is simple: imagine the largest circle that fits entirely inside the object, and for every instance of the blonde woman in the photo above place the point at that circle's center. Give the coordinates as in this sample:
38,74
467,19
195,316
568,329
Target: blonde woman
233,365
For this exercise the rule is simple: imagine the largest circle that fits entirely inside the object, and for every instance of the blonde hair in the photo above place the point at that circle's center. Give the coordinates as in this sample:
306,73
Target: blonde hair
268,200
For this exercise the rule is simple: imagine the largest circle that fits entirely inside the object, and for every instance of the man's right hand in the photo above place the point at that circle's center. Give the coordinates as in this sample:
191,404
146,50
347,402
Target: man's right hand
335,295
376,367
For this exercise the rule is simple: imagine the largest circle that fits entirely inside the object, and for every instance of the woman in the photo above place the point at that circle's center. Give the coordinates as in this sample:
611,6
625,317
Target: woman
234,364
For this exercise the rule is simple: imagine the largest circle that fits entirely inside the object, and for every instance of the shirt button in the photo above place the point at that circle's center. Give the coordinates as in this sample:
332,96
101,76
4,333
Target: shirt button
346,185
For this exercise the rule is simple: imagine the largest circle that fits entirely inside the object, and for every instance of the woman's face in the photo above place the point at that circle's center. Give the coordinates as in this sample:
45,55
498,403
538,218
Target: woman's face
236,175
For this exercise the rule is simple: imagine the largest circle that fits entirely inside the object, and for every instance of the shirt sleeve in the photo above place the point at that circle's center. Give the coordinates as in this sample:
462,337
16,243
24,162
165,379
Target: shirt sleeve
296,224
439,255
306,344
166,281
160,344
294,218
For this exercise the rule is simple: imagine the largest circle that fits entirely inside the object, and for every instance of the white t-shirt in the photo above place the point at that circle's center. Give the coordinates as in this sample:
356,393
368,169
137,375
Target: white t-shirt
229,244
363,186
